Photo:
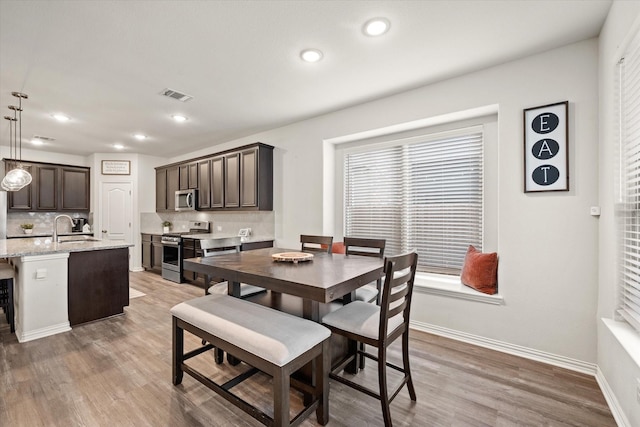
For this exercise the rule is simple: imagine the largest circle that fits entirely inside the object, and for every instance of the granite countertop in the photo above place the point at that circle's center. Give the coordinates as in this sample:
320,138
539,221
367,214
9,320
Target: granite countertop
41,246
32,235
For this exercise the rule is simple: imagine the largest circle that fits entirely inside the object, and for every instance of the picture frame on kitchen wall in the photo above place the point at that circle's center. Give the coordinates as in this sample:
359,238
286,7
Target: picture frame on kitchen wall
546,148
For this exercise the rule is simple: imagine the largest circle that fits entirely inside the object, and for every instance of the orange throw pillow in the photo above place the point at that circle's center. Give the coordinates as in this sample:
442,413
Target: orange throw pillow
338,248
480,271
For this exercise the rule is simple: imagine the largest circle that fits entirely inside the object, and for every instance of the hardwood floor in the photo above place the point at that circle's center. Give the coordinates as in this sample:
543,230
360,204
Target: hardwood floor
117,372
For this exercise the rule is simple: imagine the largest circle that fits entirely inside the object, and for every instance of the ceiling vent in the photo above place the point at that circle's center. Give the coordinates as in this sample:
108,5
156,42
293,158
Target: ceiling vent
43,138
176,95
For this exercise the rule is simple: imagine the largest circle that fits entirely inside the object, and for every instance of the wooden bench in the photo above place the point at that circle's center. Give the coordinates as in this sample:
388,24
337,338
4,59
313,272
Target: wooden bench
270,341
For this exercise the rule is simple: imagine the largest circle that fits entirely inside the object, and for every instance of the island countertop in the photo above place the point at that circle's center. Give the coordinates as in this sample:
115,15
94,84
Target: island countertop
10,248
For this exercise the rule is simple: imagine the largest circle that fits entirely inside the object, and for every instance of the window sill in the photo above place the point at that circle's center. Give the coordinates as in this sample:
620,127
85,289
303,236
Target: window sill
449,286
628,338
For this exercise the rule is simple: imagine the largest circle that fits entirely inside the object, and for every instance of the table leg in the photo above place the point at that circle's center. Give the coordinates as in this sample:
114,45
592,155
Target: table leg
311,310
233,289
352,346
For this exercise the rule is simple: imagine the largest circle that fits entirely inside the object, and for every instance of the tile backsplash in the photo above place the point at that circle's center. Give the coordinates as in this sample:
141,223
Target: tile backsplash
261,223
42,222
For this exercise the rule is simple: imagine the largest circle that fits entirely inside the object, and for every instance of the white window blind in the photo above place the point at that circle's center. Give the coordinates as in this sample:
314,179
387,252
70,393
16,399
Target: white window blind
425,195
629,207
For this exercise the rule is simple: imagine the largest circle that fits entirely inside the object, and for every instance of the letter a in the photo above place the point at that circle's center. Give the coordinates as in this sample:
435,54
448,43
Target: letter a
545,147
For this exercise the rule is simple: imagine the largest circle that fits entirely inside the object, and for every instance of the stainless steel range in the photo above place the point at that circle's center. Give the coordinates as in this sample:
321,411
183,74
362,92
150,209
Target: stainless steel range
172,251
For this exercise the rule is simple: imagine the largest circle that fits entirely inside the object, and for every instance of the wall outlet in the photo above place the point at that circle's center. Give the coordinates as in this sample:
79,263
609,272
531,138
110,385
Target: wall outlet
219,228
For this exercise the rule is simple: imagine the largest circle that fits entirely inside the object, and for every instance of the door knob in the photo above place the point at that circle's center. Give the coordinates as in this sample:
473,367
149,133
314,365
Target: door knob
104,231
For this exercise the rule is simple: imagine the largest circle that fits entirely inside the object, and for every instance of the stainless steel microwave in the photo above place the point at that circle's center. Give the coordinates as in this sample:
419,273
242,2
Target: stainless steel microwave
186,200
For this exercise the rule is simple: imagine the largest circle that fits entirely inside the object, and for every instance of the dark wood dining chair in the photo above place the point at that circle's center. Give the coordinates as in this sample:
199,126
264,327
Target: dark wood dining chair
379,326
366,247
316,243
217,247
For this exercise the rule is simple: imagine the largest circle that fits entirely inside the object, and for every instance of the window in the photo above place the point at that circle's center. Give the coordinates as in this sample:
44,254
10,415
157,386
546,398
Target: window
628,208
423,193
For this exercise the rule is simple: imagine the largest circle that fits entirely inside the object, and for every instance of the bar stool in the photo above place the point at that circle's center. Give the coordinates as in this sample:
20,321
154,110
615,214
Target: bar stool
6,293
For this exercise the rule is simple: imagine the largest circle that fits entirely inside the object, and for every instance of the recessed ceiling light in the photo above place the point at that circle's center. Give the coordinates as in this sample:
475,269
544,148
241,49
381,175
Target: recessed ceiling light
376,27
311,55
118,146
140,136
36,141
61,117
178,118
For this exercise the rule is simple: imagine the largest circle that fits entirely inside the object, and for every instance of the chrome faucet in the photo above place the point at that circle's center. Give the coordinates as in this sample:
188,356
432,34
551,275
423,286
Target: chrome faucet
55,226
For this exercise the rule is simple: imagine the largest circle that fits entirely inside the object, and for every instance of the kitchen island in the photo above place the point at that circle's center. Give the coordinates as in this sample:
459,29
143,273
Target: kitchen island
58,285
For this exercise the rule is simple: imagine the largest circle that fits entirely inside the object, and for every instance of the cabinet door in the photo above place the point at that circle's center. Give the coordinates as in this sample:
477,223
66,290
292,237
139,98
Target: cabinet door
173,184
75,189
146,251
232,181
156,257
46,193
249,178
217,182
20,200
193,175
184,177
161,190
204,184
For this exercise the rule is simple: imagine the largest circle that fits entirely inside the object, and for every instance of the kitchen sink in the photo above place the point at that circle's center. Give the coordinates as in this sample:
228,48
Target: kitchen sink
77,239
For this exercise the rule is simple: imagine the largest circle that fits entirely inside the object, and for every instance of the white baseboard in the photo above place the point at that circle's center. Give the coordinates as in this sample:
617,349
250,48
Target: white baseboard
610,397
42,332
136,269
505,347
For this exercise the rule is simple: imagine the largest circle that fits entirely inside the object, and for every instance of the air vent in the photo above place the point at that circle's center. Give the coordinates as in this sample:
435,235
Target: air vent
43,138
176,95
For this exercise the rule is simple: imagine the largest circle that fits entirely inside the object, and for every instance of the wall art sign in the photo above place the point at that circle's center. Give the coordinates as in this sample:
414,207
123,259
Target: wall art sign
546,156
116,167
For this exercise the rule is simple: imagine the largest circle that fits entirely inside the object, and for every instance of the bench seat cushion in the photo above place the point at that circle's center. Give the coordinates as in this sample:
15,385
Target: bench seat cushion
269,334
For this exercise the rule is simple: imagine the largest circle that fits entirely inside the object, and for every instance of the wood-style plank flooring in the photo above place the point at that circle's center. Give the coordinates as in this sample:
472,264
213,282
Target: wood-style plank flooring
117,372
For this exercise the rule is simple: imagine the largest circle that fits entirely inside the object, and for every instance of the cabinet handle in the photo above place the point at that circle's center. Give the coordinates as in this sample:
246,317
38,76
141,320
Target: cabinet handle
104,231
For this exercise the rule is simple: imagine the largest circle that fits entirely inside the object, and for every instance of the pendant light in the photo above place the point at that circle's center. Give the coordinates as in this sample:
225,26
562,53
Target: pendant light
17,178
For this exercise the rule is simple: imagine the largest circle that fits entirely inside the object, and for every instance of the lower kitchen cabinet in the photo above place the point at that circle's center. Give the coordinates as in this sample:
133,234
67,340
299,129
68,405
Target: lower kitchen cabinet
152,252
98,284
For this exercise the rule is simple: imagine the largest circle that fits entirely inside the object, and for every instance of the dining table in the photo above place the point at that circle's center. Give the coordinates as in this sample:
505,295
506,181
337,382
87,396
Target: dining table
318,280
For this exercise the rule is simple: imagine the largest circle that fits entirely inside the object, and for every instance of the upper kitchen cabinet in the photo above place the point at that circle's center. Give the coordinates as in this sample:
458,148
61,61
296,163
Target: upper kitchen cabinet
54,188
238,179
249,178
75,189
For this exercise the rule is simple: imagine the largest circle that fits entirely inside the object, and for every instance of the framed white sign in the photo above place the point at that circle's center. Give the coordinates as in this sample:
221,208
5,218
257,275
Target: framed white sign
546,144
116,167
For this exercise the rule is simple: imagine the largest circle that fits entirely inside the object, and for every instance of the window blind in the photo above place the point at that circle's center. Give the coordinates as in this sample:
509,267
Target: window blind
629,208
425,195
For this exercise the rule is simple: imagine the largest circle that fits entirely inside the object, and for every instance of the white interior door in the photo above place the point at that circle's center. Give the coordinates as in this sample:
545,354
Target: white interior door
116,211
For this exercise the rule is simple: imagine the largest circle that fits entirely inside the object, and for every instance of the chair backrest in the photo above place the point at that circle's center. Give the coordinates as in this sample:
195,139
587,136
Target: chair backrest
213,247
316,243
365,247
400,272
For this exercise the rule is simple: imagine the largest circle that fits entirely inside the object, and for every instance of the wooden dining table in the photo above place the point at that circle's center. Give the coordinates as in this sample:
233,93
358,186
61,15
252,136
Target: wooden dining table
320,280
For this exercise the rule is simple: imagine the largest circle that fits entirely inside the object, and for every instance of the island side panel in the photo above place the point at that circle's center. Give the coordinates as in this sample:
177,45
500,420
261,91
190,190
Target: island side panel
98,284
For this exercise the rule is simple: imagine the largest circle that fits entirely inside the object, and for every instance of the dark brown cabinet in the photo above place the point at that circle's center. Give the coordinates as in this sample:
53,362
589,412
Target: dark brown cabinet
173,185
217,182
204,184
98,284
238,179
152,252
54,188
161,190
75,189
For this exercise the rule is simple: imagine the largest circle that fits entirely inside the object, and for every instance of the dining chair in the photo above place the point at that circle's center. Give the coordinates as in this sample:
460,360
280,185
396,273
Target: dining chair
217,247
316,243
371,248
379,326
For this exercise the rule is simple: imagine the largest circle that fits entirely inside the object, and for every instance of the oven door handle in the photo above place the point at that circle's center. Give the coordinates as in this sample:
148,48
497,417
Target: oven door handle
176,244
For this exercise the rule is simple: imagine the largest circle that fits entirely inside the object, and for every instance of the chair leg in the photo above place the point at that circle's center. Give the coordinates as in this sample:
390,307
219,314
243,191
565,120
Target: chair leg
405,362
382,380
178,353
361,348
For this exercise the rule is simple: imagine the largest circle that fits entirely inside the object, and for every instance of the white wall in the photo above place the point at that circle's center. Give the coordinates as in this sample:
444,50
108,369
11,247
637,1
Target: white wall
617,365
547,242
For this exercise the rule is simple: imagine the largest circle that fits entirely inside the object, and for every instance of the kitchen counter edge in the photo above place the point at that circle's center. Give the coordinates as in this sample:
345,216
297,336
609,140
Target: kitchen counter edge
11,248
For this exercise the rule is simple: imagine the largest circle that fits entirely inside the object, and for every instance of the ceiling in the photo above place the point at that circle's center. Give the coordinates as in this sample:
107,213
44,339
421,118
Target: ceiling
104,63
